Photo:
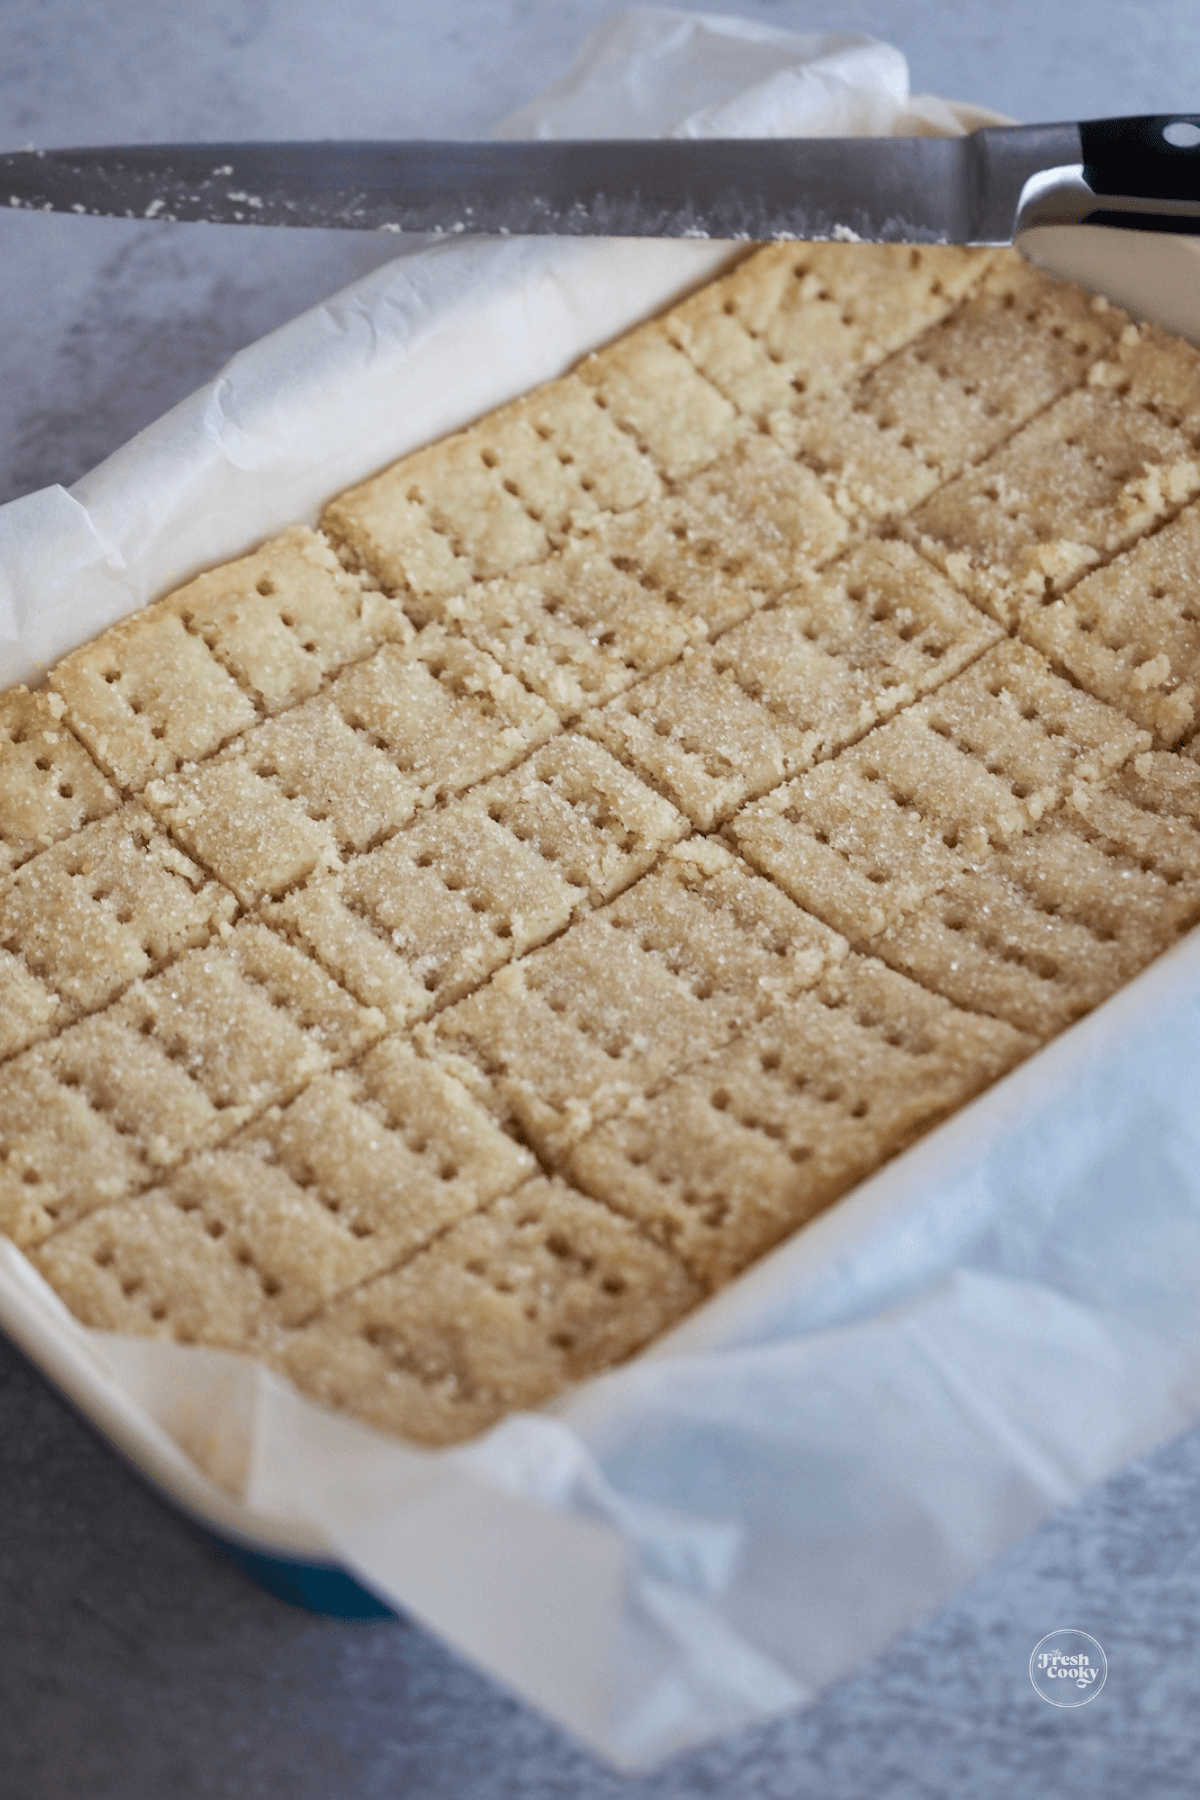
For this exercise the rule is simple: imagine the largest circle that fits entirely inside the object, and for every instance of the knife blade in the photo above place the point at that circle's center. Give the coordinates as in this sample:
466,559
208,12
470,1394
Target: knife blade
978,189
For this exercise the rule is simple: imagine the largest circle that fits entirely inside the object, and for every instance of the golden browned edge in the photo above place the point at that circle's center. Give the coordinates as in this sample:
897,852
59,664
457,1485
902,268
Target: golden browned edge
922,576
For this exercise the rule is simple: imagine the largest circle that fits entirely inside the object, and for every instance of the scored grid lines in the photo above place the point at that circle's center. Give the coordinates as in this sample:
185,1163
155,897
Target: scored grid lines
355,850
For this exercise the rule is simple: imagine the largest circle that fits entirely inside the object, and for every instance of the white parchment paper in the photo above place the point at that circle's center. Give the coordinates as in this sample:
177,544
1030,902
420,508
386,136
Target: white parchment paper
853,1430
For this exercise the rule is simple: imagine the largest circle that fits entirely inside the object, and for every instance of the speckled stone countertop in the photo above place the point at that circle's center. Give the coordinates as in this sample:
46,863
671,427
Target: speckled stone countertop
135,1660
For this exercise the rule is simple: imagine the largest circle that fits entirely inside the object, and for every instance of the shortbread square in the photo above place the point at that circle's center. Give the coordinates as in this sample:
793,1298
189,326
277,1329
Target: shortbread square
543,1288
848,848
393,1152
340,933
1072,910
990,944
730,537
847,648
861,450
864,839
681,563
1130,633
147,695
718,329
950,396
458,896
679,963
696,735
575,630
1026,727
286,617
238,823
243,1247
146,1093
59,1157
1062,919
431,913
335,775
49,785
1080,483
1139,876
796,320
733,938
29,1010
563,459
444,711
160,1264
584,812
610,469
251,1020
531,471
437,520
111,903
651,390
749,1144
574,1033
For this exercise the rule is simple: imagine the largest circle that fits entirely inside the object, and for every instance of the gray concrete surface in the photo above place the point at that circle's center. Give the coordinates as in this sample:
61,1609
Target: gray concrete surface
135,1662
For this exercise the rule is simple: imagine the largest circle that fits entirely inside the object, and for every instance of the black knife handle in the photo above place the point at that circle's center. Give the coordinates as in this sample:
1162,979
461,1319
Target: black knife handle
1152,158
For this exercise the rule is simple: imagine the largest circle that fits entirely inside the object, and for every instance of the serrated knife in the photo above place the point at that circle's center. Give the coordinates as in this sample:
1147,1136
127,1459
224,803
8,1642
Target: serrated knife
979,189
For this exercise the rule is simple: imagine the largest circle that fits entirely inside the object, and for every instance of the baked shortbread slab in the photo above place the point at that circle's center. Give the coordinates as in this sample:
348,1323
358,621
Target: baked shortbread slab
439,949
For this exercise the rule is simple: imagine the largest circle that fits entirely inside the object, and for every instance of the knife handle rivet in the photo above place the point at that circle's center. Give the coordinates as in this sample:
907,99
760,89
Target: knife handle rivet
1181,134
